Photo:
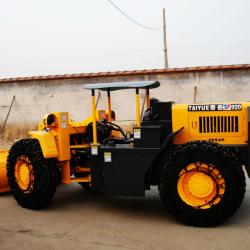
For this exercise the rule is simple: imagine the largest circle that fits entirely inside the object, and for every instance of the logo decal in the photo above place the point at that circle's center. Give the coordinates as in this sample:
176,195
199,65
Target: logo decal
215,107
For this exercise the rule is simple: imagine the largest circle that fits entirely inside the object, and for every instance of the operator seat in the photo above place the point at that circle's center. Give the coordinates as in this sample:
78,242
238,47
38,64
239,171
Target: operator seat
148,114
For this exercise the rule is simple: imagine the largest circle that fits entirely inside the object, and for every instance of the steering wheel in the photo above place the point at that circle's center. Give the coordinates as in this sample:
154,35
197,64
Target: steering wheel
115,127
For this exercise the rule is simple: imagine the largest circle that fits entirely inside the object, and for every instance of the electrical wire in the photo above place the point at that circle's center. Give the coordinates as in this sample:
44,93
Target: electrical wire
123,53
131,19
82,58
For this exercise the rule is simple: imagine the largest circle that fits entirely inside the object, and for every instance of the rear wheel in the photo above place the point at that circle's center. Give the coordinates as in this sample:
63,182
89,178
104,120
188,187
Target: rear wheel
32,178
85,185
202,183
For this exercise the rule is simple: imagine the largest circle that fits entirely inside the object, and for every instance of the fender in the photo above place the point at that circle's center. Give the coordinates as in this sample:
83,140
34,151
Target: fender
168,140
154,172
47,143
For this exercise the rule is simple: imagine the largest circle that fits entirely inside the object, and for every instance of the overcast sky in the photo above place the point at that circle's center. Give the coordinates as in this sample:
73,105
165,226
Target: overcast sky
76,36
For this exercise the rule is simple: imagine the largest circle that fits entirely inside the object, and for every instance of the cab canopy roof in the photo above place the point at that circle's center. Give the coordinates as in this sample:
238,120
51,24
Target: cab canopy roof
122,85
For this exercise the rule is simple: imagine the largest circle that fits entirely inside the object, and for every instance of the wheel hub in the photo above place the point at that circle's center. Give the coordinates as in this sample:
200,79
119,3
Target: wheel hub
200,185
24,173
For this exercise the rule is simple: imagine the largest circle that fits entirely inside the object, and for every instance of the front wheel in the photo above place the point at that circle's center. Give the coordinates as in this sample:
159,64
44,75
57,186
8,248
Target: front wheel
32,178
202,183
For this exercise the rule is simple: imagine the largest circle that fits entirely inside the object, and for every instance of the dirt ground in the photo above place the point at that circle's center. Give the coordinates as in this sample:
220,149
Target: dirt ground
80,220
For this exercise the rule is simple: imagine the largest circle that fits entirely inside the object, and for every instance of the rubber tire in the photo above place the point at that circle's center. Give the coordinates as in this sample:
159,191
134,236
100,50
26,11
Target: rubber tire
207,152
88,189
85,186
46,175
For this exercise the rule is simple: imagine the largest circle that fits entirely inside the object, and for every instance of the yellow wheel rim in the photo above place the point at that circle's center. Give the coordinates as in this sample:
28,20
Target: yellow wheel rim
24,173
201,185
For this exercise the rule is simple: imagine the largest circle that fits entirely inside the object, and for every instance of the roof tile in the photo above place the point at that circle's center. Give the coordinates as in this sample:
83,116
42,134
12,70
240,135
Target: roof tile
130,73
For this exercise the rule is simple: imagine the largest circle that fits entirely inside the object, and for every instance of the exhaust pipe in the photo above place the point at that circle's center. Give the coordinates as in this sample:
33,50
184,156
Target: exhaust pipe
4,186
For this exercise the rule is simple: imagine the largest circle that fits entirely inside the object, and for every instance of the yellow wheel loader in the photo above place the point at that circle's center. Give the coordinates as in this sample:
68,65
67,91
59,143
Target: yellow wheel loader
194,153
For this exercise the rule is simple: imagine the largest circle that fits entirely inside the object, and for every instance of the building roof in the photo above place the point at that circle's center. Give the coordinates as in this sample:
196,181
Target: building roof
130,73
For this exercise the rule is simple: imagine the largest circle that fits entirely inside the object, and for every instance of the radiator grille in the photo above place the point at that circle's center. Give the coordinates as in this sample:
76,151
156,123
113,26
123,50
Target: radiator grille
218,124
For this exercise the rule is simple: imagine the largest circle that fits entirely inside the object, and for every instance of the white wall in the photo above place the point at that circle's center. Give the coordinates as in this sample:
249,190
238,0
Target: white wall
35,98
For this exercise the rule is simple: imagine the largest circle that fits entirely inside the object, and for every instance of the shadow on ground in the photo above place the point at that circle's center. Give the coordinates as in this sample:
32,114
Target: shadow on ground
74,197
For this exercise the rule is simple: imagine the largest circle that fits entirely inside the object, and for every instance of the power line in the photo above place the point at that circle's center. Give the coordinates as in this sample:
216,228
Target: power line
197,46
121,53
81,58
131,19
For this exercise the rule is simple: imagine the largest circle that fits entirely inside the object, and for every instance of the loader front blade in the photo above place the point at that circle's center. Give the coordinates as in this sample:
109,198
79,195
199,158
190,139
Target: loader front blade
4,187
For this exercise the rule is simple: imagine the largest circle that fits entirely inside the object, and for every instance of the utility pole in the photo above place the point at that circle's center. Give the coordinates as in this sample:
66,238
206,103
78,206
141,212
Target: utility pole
165,40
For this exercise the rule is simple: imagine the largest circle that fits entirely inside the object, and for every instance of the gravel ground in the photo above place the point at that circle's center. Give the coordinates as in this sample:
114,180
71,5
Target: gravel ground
80,220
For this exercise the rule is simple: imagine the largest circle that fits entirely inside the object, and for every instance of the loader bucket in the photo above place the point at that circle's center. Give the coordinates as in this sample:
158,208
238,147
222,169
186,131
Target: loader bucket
4,187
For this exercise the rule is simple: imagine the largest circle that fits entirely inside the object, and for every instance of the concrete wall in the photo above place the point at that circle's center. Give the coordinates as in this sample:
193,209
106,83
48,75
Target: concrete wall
35,98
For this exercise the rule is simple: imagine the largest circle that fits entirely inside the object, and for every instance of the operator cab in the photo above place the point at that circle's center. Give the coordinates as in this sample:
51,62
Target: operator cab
120,166
104,132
